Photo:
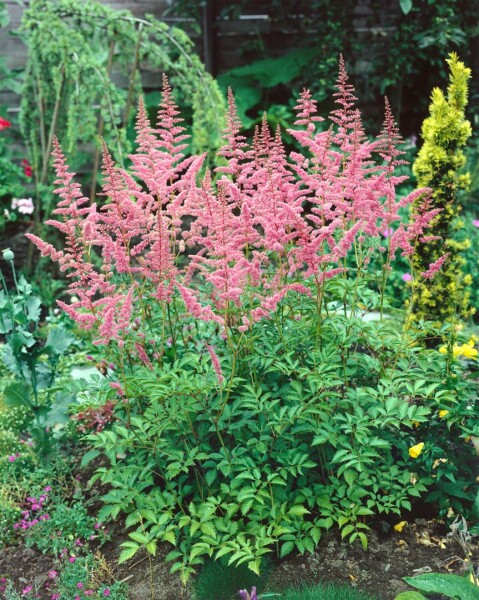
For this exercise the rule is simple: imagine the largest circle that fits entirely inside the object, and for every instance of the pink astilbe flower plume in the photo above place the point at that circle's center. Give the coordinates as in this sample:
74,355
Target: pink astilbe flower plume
229,247
435,267
216,364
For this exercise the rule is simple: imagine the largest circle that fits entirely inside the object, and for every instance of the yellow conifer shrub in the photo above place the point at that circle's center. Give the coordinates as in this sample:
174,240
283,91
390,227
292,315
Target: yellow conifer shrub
439,165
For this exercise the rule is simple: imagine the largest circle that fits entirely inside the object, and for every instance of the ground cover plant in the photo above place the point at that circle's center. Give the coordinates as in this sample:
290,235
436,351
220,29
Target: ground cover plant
255,407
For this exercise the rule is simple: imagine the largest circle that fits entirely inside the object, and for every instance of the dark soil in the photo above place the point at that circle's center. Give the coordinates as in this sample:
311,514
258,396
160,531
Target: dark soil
423,546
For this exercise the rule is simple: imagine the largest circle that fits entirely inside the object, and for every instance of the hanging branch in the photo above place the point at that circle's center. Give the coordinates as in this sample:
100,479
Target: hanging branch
101,126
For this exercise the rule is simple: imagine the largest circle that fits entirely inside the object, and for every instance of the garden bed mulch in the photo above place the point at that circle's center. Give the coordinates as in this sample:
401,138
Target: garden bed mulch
423,546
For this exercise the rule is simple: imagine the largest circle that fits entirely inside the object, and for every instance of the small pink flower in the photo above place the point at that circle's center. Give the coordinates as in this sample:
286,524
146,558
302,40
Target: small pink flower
476,222
11,458
388,232
72,559
106,592
48,488
27,590
88,592
407,277
56,596
52,574
97,525
79,585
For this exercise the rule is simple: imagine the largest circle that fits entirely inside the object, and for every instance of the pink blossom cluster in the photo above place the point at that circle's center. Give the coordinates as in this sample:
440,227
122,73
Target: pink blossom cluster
34,513
232,243
94,418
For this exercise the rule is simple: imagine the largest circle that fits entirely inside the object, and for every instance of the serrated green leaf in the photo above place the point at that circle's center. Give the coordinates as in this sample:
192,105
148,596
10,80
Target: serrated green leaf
169,536
151,547
298,511
128,552
88,457
286,548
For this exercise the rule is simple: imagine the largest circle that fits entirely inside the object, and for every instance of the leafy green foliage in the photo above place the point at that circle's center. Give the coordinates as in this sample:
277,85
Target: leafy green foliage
94,573
300,438
410,596
69,526
451,586
32,360
73,47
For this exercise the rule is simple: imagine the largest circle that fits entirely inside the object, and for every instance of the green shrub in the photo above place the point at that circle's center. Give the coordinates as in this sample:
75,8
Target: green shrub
440,165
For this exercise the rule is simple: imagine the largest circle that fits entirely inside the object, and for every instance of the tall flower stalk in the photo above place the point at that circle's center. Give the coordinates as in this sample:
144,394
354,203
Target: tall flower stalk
232,245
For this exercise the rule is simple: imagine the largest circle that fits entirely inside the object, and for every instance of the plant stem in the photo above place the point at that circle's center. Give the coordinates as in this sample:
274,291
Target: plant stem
101,126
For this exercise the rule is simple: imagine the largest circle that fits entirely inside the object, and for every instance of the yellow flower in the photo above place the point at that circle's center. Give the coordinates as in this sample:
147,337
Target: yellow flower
443,413
468,279
443,350
415,423
415,451
400,526
466,350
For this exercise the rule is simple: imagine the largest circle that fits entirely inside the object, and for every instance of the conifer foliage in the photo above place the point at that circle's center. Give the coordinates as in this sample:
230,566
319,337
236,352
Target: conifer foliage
439,165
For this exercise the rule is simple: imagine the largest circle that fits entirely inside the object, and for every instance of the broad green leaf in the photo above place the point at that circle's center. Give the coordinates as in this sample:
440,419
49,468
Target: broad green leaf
58,341
18,394
406,6
275,71
451,586
33,308
59,411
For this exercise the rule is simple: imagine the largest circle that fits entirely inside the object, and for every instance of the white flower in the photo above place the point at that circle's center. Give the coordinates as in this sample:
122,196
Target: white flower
24,206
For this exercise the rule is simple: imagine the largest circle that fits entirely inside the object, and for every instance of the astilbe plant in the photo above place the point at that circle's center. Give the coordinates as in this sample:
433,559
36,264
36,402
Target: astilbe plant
254,406
253,240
